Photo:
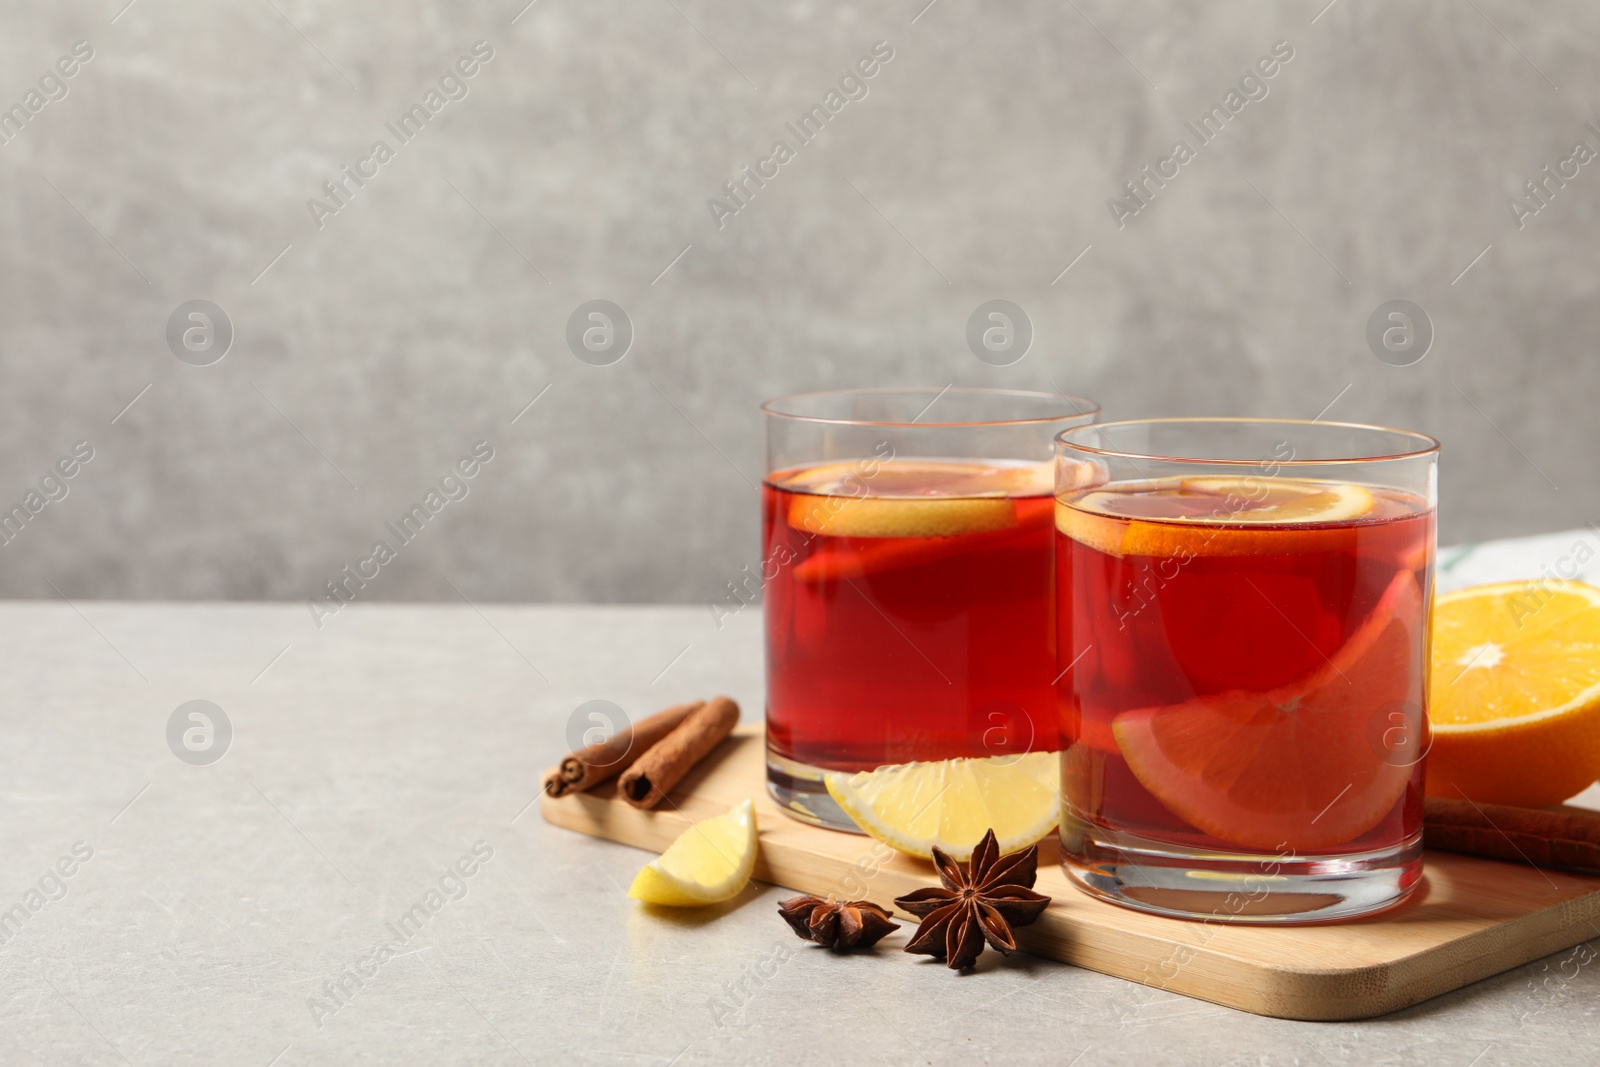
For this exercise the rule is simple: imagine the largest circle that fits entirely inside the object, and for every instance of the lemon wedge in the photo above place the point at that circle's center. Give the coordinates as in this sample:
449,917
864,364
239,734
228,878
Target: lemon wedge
948,805
711,861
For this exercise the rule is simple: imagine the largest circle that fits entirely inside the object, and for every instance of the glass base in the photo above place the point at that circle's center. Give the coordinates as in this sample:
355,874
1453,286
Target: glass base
800,793
1236,887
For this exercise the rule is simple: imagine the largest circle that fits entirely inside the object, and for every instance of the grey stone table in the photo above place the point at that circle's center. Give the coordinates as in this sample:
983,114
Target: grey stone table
363,876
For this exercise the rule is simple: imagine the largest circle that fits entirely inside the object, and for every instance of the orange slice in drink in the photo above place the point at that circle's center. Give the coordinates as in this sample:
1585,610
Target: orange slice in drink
1296,767
1208,516
1515,697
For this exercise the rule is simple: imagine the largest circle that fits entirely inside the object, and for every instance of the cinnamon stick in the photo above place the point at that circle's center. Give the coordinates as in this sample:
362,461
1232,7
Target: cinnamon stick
1568,839
652,776
601,761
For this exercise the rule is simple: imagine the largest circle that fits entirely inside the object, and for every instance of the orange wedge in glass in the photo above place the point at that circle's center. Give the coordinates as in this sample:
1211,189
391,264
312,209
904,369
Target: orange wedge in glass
1294,767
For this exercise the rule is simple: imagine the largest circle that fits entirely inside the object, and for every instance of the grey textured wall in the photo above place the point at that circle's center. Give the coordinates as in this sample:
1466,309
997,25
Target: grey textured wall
424,315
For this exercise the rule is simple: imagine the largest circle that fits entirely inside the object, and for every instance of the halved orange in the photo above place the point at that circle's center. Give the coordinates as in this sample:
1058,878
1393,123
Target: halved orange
1295,766
1515,696
1208,516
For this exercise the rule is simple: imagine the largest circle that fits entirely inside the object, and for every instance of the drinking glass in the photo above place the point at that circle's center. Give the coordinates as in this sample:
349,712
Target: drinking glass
906,553
1243,612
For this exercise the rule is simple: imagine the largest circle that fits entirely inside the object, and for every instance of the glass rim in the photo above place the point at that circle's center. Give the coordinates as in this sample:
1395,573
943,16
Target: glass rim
1429,445
1085,408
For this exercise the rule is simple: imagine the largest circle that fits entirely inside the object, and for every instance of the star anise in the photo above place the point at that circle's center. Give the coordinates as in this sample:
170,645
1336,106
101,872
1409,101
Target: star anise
837,924
981,901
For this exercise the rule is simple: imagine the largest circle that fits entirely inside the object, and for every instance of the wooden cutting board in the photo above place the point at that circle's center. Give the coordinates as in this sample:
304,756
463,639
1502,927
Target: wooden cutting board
1469,919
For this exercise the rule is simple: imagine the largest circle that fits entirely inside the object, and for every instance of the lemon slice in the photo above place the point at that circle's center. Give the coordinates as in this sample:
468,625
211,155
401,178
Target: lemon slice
1514,699
924,477
1158,517
912,497
709,862
948,805
838,516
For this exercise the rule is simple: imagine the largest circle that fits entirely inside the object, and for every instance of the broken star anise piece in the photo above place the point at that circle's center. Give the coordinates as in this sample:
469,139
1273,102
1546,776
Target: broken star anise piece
837,924
981,901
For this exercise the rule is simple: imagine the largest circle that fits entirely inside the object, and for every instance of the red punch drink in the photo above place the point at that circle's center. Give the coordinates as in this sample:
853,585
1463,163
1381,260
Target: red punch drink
1248,688
912,619
907,546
